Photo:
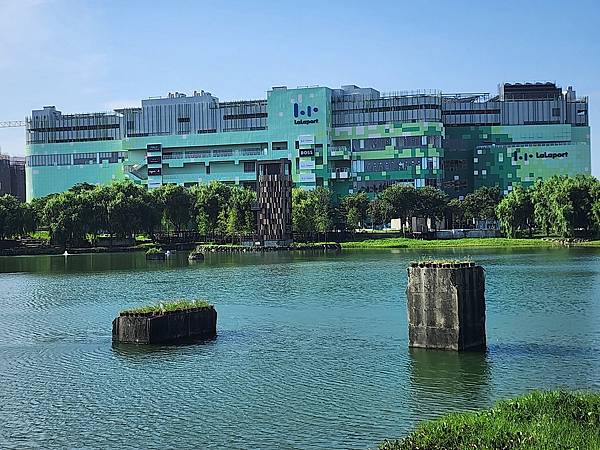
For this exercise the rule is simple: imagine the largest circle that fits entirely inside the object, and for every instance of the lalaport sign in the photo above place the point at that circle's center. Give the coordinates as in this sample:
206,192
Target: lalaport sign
540,155
308,111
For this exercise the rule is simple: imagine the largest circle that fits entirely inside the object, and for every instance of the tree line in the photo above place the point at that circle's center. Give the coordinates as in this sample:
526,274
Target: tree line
124,209
318,211
560,205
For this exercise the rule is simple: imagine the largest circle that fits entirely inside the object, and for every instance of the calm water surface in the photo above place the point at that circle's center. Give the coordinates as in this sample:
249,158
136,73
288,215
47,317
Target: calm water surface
311,350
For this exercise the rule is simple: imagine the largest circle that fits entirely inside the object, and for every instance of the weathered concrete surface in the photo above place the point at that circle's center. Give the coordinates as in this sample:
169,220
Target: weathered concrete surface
151,328
446,307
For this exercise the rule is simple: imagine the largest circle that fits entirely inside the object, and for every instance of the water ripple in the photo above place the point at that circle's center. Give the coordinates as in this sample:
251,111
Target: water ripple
311,351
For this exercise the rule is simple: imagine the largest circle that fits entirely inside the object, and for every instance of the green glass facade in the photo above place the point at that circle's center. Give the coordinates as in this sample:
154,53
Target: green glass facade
519,155
508,156
348,140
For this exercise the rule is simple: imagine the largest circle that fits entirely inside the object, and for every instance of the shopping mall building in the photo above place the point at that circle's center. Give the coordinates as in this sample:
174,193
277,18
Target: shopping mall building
350,139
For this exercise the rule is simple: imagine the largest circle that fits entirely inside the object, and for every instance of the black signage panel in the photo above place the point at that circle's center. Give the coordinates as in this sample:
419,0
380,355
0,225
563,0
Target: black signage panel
154,147
306,152
154,159
157,171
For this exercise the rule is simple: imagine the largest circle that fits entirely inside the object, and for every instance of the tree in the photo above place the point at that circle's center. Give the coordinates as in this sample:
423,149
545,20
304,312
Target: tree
209,206
14,217
400,201
515,212
176,203
430,203
456,211
481,203
240,218
542,209
126,205
37,206
312,211
152,212
353,219
302,211
565,205
379,212
65,216
82,187
572,205
354,210
323,209
595,213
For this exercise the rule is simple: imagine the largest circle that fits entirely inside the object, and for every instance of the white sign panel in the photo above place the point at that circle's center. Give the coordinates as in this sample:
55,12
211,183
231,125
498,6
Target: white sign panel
307,178
307,164
304,140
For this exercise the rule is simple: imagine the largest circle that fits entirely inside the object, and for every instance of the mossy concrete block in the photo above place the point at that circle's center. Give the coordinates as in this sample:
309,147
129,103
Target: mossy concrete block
446,306
168,327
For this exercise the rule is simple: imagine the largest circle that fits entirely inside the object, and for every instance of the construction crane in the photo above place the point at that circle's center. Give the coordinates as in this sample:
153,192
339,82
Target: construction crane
12,124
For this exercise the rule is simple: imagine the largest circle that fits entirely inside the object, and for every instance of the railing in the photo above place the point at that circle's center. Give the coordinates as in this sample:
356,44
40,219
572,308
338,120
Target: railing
334,149
175,237
174,155
500,145
216,153
134,171
344,236
128,168
198,154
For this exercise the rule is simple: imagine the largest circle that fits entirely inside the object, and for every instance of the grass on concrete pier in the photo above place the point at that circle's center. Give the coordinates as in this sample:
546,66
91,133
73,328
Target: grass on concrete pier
540,420
174,305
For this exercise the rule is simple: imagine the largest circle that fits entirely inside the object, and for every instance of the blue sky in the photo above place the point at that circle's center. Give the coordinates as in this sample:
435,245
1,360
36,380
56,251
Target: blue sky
84,56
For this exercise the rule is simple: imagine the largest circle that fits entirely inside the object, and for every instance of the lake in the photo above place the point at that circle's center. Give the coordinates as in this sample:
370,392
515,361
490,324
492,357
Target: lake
312,349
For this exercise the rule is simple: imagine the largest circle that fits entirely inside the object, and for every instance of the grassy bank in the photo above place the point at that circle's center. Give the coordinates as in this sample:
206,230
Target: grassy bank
466,243
540,420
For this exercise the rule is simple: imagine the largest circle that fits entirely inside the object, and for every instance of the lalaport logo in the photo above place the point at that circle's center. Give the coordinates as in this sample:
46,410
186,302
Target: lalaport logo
543,155
308,112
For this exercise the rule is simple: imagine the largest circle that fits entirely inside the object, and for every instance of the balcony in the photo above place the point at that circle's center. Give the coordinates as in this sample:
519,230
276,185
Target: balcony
340,175
339,150
215,153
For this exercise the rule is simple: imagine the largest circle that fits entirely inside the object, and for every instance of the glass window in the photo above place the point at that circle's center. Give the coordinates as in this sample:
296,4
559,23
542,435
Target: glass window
84,158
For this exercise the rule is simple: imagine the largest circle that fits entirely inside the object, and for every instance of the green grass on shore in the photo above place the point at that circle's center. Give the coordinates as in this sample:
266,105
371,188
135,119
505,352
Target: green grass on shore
174,305
42,234
465,242
540,420
589,244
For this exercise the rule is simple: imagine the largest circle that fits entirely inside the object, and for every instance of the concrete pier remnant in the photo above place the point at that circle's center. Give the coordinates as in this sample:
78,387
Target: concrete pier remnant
164,327
446,306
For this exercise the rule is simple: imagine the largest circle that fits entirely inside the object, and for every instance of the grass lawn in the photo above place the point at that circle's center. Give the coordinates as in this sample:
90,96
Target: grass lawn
540,420
589,244
466,242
